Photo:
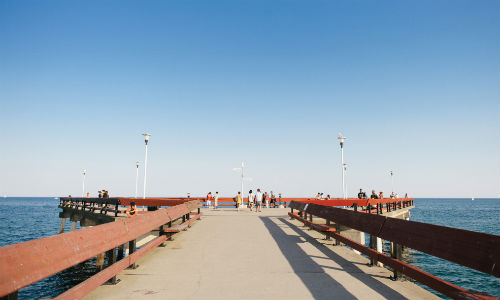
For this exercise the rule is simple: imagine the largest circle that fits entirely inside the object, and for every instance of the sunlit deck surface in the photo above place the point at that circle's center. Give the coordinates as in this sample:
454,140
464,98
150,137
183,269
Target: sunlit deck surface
248,255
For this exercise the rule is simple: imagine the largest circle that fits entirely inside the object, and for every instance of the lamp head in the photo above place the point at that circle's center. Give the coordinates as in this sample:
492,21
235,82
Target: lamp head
137,164
146,137
84,171
341,139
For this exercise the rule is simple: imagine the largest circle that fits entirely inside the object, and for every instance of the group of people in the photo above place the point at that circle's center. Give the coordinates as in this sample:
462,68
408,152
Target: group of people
211,197
320,196
258,199
103,194
362,195
255,200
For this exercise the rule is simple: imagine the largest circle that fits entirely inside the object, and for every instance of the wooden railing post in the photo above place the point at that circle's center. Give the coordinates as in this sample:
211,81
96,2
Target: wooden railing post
131,249
111,260
373,245
100,262
12,296
396,253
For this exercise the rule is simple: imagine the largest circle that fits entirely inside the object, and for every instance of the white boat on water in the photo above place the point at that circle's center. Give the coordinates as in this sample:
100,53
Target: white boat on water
472,198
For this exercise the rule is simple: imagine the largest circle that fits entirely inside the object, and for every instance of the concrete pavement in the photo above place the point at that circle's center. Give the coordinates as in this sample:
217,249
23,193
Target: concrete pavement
248,255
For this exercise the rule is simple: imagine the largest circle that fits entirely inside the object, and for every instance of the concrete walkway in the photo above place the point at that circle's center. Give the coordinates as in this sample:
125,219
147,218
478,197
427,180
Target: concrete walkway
243,255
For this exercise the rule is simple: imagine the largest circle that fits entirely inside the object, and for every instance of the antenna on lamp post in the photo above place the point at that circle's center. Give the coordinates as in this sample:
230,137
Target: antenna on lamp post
345,184
392,179
146,140
83,185
341,140
136,176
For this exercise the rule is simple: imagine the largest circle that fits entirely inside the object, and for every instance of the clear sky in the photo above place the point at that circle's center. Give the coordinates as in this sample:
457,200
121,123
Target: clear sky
413,85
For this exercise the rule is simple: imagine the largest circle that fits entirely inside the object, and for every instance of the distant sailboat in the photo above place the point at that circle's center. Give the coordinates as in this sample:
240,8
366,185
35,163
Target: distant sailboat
472,198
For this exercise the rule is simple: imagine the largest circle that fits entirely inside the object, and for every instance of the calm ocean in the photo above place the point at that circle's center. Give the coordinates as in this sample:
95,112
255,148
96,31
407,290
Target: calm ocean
25,219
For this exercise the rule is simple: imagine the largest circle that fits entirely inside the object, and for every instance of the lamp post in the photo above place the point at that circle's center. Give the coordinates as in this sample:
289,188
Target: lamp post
136,176
392,179
83,185
242,177
341,139
146,140
345,184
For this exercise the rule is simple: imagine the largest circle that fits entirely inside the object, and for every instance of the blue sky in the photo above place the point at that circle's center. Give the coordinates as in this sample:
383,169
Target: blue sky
413,85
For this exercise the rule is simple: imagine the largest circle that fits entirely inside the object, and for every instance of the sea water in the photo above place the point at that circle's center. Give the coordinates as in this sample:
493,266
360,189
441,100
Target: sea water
24,219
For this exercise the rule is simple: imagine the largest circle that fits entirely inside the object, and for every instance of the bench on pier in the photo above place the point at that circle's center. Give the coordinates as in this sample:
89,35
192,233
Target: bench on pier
185,225
317,227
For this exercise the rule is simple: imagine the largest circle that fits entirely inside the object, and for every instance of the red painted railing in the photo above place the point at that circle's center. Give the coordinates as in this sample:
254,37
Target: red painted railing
479,251
26,263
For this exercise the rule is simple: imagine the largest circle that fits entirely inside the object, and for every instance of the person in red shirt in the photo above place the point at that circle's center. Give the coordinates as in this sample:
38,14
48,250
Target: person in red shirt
209,199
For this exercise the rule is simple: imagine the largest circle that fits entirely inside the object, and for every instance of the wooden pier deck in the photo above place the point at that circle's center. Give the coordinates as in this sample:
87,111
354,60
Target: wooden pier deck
248,255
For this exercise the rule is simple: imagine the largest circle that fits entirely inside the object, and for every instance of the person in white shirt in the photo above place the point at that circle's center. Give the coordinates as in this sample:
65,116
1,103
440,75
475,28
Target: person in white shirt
258,201
216,200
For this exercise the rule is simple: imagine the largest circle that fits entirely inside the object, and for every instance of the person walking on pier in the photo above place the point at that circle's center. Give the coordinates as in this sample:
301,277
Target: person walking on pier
258,201
250,200
266,199
216,200
273,199
209,199
238,201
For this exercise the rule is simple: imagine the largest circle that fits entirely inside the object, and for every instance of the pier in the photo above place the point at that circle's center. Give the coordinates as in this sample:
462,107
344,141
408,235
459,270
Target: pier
174,248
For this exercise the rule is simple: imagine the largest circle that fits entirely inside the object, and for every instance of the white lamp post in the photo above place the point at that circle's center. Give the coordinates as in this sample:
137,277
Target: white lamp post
83,185
146,140
392,179
243,178
345,184
341,139
136,176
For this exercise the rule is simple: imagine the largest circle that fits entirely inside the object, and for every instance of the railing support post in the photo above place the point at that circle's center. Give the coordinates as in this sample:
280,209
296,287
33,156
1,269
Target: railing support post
12,296
373,245
120,251
111,260
131,249
100,262
73,225
63,224
396,253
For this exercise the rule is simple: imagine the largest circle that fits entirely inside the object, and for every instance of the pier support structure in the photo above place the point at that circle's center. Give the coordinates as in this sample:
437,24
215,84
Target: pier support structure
63,224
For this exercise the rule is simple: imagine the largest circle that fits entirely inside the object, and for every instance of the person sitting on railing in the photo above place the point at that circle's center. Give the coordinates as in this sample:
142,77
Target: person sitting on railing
361,194
99,194
318,196
328,197
374,195
381,195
